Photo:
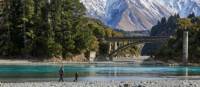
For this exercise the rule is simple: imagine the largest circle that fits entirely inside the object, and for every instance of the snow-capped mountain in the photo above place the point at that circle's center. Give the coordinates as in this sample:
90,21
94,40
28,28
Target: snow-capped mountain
134,15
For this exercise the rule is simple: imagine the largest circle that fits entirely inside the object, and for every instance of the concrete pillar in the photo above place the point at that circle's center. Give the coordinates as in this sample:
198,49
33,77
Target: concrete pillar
185,47
116,46
92,56
109,48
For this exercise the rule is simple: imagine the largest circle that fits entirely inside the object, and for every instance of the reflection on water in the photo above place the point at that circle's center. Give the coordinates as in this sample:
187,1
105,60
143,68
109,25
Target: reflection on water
186,71
97,71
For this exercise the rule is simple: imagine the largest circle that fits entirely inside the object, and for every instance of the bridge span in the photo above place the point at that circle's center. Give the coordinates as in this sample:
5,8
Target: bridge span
117,44
143,39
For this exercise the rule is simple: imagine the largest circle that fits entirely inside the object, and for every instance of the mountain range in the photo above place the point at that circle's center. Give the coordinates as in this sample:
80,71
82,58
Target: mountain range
138,15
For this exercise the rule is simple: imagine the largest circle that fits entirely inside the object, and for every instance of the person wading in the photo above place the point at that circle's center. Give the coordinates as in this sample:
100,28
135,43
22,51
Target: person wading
76,77
61,73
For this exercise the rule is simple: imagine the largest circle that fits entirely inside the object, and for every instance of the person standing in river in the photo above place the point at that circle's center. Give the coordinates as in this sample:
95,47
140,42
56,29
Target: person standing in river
76,77
61,73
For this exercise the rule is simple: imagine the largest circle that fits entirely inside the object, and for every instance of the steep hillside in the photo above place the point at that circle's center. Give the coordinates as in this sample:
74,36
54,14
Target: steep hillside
138,15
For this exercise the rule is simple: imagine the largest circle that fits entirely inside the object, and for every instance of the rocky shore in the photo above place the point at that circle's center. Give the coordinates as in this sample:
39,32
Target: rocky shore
150,83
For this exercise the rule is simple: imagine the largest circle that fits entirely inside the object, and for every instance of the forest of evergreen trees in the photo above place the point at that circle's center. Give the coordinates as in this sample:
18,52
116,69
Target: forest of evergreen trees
40,28
174,27
49,28
164,27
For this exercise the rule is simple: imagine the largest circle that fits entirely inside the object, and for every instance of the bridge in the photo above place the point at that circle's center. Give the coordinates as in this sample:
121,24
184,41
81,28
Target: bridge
117,44
142,39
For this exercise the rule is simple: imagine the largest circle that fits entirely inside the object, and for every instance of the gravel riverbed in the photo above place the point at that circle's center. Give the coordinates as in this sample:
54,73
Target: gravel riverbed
149,83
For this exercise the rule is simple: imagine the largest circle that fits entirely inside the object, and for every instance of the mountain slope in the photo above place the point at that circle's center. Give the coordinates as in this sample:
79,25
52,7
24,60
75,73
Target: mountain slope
138,15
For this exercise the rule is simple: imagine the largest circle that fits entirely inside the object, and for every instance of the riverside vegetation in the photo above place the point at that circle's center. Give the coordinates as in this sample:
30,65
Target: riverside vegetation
174,27
44,29
52,29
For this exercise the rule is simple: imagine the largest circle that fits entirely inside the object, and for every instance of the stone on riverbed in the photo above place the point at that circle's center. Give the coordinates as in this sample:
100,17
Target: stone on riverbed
152,83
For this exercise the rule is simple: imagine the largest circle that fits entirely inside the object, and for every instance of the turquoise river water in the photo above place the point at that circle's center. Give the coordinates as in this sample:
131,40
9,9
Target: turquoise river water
96,72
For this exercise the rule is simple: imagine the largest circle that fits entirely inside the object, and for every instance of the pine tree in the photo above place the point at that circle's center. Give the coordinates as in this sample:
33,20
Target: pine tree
192,15
19,14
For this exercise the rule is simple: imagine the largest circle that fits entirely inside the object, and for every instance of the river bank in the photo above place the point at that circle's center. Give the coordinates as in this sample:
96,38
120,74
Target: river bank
35,62
141,60
142,83
49,62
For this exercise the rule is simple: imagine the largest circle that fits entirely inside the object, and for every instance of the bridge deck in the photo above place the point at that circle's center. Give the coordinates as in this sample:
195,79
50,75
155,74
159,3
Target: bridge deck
139,38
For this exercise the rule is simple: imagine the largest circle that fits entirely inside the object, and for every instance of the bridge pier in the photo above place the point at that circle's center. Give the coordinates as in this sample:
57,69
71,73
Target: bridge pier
110,47
185,48
115,45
